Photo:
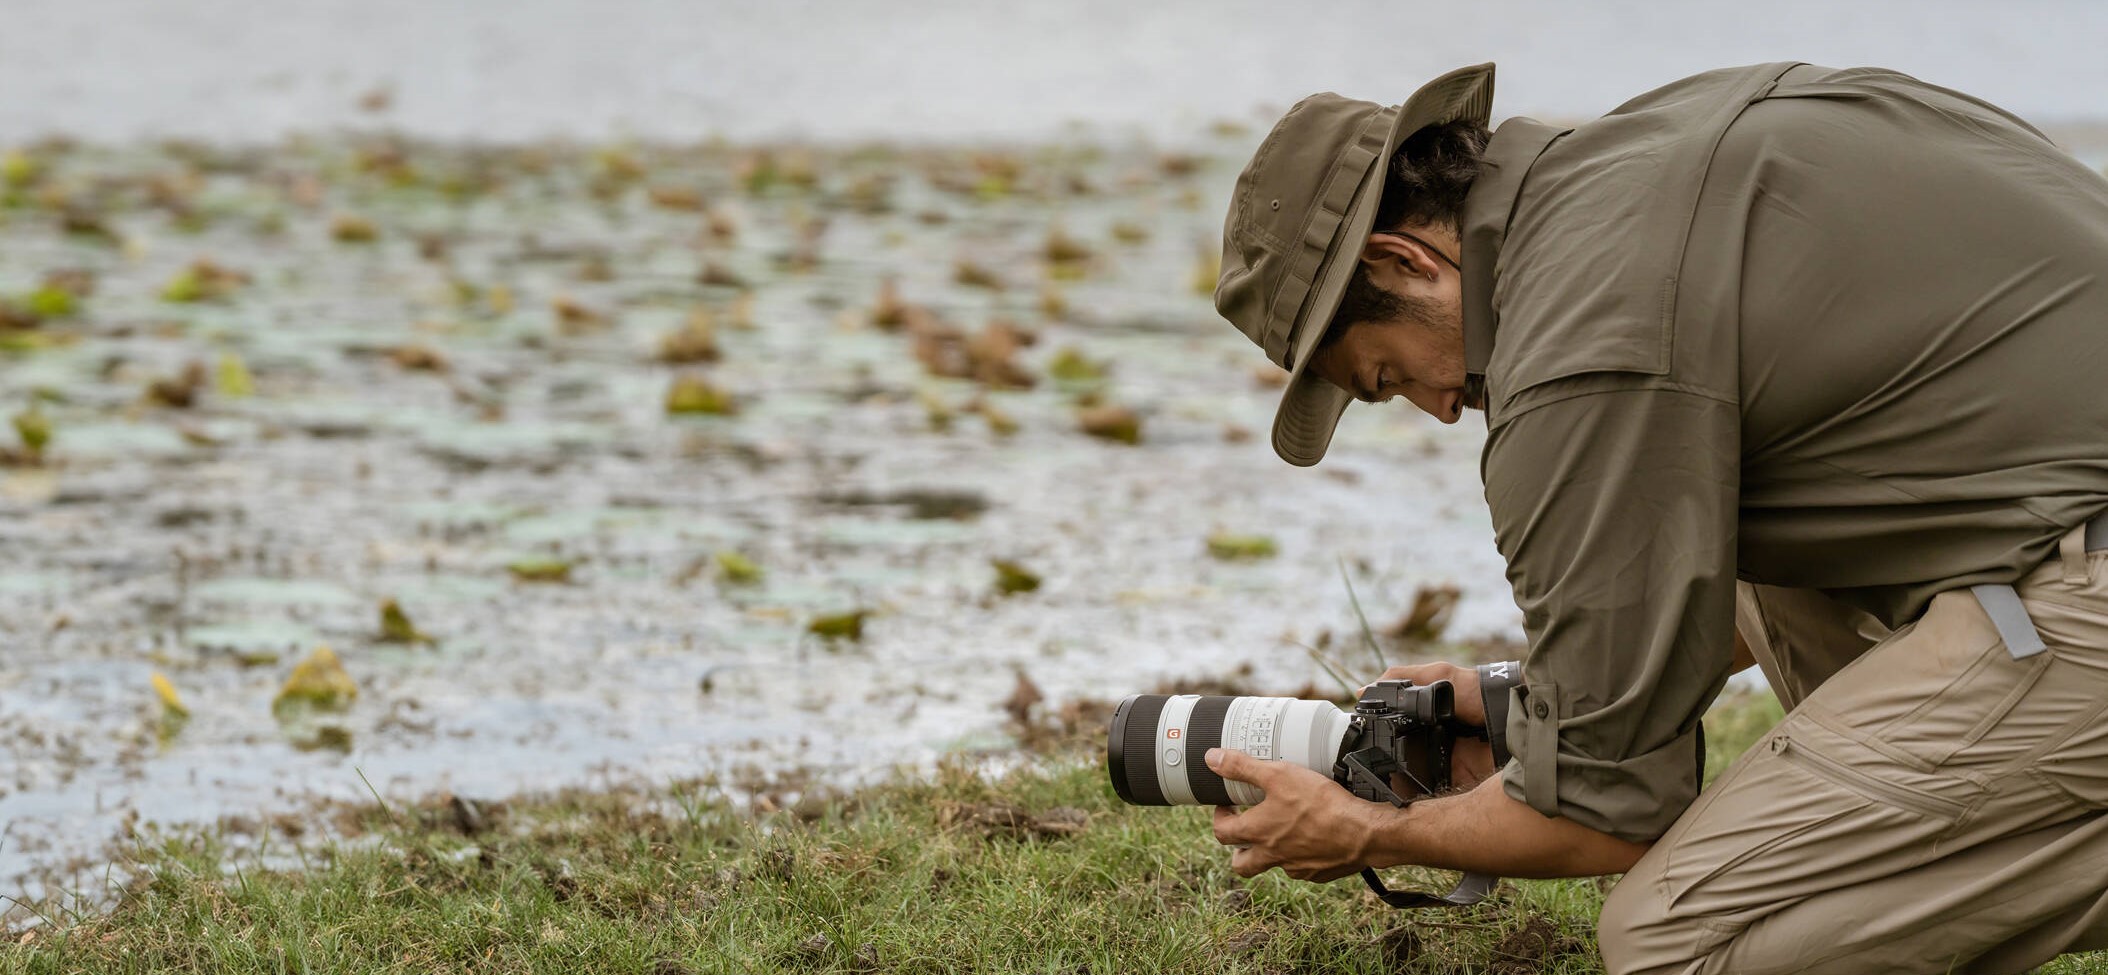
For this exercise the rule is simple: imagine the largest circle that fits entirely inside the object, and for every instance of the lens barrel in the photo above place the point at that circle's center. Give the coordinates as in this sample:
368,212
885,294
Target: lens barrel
1133,734
1156,746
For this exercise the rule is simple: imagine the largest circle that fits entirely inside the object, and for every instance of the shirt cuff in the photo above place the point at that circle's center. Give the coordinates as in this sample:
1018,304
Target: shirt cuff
1633,798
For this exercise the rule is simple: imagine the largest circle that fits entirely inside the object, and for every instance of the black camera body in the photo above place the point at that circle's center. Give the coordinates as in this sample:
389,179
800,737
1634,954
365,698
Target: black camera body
1399,741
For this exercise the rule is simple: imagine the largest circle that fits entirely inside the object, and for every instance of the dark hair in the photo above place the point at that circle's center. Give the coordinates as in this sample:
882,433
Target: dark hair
1425,183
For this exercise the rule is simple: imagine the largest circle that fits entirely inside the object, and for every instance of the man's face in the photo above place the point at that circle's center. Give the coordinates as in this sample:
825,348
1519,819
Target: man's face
1419,354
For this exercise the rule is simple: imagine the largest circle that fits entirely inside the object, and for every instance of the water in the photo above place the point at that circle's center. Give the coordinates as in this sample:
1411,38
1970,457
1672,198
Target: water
950,69
221,542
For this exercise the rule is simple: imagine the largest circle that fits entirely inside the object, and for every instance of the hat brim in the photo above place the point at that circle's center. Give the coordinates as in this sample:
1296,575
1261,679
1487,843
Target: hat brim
1311,407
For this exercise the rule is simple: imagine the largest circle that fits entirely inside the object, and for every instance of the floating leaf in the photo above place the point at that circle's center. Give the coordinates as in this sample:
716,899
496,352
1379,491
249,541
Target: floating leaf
540,570
19,169
694,341
694,394
203,280
737,569
50,302
319,682
1012,578
234,379
1111,423
974,275
34,428
396,626
1064,249
419,357
1226,546
677,197
350,228
171,702
1070,365
1429,615
839,626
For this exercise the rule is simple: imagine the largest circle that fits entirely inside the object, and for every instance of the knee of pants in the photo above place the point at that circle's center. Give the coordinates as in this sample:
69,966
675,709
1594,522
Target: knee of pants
1638,937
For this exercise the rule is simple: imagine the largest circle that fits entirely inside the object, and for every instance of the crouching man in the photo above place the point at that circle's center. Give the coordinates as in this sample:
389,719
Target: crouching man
1818,357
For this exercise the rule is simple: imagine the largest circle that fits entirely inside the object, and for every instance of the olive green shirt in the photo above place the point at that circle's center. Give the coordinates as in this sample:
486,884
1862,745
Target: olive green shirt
1834,330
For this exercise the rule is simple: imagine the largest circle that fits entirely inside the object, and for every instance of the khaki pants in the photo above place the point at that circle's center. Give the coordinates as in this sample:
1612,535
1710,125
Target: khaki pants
1932,806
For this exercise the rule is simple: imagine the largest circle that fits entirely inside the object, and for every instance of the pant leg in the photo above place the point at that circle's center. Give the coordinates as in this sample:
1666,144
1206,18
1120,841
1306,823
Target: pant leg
1936,806
1800,636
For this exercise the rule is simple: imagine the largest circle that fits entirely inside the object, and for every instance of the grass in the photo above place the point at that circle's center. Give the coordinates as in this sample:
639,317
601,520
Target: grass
1040,870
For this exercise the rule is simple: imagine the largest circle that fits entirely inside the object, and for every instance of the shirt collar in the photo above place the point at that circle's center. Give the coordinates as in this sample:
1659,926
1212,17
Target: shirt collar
1487,209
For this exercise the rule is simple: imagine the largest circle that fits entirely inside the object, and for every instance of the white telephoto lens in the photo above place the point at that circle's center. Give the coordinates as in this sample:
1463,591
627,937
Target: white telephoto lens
1282,729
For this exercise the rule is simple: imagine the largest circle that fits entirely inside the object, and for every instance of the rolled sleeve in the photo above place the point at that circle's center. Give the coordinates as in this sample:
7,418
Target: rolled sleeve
1615,510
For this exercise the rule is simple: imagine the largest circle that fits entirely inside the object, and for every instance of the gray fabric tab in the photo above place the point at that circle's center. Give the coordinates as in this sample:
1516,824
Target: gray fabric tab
2014,625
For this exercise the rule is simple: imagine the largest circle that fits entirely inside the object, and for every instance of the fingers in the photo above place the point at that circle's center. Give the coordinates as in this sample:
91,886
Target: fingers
1251,862
1419,673
1228,831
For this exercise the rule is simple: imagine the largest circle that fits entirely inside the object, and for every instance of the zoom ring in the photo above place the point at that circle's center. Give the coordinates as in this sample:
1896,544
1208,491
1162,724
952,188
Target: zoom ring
1204,731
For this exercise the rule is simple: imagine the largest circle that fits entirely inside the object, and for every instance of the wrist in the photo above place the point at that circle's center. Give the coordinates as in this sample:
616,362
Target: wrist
1387,835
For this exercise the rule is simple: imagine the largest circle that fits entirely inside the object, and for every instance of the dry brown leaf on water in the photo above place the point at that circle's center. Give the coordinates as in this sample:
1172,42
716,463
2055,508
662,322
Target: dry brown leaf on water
721,227
419,357
1060,248
1429,615
179,391
719,276
574,318
1023,698
889,313
350,228
1116,423
695,341
674,197
974,275
991,356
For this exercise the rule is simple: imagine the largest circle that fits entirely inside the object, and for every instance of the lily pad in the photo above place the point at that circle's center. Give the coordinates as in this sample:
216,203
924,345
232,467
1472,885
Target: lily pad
1230,547
318,683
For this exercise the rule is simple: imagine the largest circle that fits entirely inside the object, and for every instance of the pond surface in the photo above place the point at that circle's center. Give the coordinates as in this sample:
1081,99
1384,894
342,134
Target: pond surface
477,395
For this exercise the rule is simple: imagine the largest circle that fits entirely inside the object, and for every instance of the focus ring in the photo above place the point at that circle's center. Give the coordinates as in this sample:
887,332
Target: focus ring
1204,731
1138,745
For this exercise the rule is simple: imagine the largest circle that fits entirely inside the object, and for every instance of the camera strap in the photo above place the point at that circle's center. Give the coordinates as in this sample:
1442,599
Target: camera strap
1495,679
1369,771
1468,891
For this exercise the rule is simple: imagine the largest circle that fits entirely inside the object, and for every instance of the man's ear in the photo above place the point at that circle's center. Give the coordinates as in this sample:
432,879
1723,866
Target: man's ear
1392,261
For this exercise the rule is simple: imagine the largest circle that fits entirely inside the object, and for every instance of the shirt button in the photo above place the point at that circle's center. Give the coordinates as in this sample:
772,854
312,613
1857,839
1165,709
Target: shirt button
1276,205
1544,710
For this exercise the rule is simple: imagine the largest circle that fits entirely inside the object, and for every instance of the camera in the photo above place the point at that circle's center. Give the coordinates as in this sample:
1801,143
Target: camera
1395,747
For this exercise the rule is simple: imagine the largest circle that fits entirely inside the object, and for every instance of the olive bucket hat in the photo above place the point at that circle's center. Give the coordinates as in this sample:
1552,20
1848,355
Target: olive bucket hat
1292,239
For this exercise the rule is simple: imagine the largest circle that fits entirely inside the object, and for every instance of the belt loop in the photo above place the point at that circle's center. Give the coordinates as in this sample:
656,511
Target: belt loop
2073,549
2015,627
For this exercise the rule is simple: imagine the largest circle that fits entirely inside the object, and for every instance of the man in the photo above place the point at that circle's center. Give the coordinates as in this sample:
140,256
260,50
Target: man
1815,356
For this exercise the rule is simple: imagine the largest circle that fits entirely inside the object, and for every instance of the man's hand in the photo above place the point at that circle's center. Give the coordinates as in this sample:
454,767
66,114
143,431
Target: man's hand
1471,760
1308,826
1471,707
